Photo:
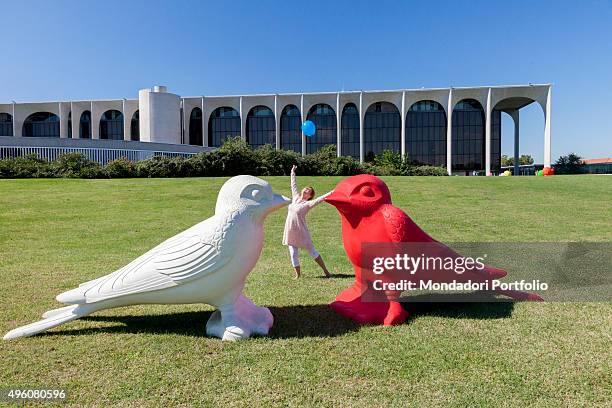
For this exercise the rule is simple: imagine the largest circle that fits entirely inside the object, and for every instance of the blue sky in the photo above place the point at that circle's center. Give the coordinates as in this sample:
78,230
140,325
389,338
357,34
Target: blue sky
58,50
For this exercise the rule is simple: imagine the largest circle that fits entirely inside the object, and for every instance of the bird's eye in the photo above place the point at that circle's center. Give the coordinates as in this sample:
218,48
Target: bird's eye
366,191
257,195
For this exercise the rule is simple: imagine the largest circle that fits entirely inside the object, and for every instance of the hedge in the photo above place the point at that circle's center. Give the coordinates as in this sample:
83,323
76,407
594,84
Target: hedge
233,158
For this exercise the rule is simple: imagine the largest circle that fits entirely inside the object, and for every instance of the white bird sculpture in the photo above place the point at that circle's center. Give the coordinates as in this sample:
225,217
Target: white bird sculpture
207,263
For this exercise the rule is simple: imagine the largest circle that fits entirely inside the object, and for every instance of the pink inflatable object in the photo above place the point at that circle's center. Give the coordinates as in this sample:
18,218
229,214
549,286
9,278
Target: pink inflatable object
368,216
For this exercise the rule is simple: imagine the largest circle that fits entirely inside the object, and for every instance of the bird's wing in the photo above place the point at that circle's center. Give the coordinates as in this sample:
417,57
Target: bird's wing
175,261
400,226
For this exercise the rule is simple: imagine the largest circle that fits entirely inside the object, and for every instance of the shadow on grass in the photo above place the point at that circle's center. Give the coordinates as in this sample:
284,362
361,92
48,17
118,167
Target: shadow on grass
293,321
458,306
289,322
337,276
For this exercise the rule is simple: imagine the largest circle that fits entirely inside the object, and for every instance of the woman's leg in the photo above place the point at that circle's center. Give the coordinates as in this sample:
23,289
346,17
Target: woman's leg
295,260
317,257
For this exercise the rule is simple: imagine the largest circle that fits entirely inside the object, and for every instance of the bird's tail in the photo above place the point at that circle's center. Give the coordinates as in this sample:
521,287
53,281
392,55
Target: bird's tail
520,295
53,318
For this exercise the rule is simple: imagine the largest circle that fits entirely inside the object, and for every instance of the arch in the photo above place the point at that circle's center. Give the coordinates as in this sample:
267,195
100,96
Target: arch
349,131
260,127
468,136
426,133
290,129
6,124
41,124
509,126
111,125
195,127
324,118
85,125
224,123
382,129
135,126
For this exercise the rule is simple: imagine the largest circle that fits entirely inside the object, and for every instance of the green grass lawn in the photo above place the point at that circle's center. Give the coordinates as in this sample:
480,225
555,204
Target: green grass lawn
55,234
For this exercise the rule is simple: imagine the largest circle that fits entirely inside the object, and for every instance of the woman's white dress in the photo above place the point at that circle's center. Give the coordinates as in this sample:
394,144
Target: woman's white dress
296,232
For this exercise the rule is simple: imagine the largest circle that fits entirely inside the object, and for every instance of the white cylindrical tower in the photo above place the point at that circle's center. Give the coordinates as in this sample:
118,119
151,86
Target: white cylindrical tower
159,115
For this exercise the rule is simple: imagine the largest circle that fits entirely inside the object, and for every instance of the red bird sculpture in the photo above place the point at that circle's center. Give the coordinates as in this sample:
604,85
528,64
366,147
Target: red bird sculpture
368,216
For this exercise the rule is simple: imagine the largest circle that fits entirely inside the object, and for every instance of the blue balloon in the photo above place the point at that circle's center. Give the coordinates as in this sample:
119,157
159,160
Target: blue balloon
309,128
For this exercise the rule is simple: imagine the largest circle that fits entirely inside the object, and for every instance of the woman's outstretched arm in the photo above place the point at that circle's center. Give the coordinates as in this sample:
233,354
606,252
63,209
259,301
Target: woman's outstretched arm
318,200
294,190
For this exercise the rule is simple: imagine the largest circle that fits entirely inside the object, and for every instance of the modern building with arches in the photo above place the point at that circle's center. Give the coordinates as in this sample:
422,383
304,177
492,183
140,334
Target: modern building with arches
455,128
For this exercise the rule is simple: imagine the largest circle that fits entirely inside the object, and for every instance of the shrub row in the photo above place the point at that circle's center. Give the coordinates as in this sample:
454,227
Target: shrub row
233,158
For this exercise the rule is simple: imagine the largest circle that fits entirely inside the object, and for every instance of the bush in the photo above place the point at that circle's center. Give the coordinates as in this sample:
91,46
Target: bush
120,168
272,162
29,166
157,167
425,171
325,162
76,165
233,158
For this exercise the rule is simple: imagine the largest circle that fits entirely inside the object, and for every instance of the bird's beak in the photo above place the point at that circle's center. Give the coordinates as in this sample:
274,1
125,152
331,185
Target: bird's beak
338,200
279,201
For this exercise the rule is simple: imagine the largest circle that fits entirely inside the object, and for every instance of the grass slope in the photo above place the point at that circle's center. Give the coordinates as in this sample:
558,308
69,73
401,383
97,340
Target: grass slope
55,234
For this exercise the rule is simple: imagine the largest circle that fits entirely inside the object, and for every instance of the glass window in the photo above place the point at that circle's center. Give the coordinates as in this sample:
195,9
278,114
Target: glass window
382,129
426,133
324,118
41,124
260,127
111,125
349,131
224,123
495,140
291,133
70,125
135,127
468,136
6,124
85,125
195,127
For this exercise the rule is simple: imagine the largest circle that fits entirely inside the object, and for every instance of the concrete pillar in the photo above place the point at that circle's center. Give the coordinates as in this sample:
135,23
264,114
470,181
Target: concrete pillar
16,131
449,132
127,123
302,117
488,134
547,125
361,132
63,117
76,120
95,122
276,124
338,124
403,124
183,122
204,125
243,119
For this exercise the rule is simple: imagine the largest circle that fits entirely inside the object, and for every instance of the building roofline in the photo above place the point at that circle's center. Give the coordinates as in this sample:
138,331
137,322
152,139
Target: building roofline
304,93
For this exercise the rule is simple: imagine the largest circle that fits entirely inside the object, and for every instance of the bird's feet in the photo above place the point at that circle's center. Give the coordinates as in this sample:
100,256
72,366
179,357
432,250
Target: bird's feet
349,303
239,321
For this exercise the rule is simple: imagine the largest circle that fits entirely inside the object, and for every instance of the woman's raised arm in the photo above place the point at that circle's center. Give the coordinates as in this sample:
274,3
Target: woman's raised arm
294,190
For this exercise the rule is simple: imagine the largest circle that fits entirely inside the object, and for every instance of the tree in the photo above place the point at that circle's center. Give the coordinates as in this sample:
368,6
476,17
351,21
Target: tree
570,164
524,160
506,161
